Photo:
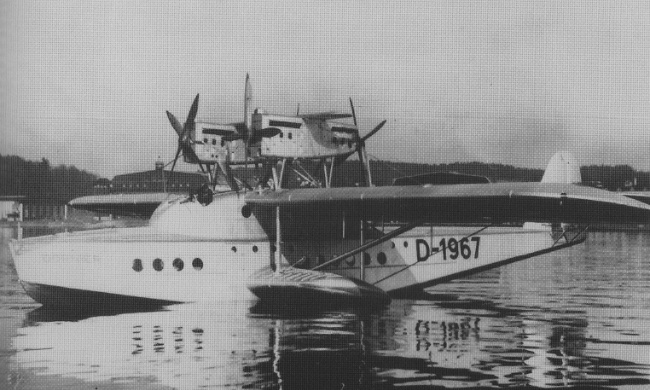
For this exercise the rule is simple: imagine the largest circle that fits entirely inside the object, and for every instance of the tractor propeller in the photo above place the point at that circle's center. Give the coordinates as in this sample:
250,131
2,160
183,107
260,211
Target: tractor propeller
184,131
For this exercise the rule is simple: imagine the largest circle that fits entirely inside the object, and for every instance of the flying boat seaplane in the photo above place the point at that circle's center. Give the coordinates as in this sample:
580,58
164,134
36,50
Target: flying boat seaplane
315,245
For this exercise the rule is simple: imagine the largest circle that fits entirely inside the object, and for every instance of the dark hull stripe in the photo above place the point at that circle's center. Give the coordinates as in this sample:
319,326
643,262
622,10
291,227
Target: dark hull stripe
69,297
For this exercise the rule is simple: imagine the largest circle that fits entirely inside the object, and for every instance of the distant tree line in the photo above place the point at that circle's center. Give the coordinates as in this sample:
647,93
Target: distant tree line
350,173
613,178
38,181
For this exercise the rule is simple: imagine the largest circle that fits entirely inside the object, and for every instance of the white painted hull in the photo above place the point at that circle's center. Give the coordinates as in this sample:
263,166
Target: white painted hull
103,265
89,262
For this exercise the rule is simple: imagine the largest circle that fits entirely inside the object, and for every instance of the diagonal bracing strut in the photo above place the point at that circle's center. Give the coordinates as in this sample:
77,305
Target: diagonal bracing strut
370,244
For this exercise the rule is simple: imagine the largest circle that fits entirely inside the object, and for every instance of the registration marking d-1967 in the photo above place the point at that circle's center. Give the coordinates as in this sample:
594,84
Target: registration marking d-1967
451,248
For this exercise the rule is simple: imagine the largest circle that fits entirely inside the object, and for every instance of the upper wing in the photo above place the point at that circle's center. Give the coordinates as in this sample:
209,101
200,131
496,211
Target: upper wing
324,116
462,203
138,205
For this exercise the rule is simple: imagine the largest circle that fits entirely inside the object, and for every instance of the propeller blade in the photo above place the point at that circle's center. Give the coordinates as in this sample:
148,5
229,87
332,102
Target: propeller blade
175,124
376,129
193,110
178,152
354,115
366,163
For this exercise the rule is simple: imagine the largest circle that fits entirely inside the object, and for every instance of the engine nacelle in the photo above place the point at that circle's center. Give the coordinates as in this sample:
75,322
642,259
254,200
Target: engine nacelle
304,138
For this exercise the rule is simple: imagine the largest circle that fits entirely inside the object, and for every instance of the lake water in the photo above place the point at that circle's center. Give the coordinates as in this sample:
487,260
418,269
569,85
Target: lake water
578,317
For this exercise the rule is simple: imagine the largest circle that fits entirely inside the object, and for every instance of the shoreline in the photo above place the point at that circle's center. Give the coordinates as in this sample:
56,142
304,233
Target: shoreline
72,224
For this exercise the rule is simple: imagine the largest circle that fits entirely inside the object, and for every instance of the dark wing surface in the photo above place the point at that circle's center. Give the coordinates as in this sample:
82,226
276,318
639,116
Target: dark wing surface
462,203
139,205
324,116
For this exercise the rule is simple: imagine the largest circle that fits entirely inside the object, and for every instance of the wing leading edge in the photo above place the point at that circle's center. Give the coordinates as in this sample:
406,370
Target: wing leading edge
462,203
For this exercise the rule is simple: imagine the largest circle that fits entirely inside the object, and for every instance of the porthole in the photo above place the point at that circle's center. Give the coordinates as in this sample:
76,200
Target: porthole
350,261
158,265
137,265
197,264
366,259
234,249
273,249
255,248
406,244
290,136
281,135
246,211
178,264
392,245
214,142
381,258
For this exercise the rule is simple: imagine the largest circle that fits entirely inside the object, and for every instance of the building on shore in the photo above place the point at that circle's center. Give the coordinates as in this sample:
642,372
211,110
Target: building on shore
156,180
11,207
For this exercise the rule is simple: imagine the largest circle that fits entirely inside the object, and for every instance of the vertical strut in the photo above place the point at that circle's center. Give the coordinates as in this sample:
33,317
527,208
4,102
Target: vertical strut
278,240
362,265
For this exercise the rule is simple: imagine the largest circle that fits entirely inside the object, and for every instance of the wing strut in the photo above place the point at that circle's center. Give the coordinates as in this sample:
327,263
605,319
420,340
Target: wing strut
278,242
370,244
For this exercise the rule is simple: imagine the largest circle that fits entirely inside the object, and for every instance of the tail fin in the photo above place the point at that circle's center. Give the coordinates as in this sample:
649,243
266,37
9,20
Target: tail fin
563,168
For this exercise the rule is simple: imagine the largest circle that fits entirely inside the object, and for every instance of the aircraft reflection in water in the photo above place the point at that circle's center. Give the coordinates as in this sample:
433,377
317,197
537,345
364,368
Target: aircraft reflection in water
469,343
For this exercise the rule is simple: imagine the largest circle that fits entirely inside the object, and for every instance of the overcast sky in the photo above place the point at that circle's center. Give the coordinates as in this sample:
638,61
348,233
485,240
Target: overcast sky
88,82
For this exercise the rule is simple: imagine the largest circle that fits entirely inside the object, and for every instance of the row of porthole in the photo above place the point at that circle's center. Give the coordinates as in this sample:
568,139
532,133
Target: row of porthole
197,263
158,264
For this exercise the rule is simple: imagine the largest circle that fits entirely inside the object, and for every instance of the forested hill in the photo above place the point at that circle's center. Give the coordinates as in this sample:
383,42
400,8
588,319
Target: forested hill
38,181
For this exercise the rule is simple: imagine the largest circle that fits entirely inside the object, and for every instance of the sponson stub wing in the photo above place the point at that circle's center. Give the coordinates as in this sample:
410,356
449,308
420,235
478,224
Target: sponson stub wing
463,203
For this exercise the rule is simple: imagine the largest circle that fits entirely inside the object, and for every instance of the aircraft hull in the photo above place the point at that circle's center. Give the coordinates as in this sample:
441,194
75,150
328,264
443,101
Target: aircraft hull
193,253
187,253
77,268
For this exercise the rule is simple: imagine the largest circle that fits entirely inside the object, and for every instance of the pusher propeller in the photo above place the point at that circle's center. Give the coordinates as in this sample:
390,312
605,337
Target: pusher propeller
361,144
